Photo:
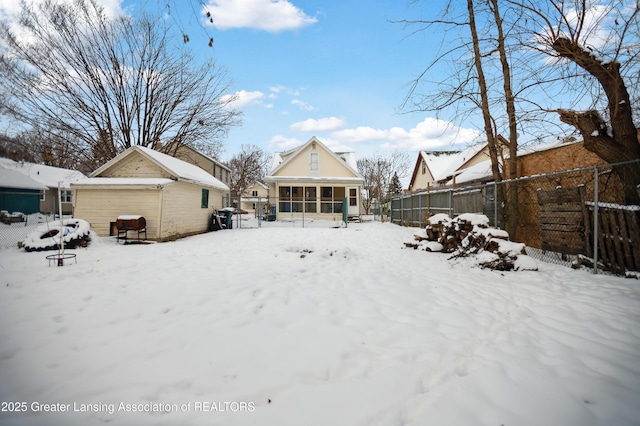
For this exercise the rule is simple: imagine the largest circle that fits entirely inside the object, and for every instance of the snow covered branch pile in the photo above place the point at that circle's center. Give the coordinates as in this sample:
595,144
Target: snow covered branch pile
72,233
470,235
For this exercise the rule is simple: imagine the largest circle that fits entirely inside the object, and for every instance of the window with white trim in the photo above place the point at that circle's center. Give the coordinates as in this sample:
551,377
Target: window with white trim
65,195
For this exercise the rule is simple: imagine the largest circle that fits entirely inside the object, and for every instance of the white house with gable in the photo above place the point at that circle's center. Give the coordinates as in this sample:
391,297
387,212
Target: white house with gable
313,181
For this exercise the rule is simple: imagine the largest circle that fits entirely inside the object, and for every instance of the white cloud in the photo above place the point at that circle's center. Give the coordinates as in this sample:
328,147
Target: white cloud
302,105
431,133
267,15
326,124
361,134
275,90
282,143
245,99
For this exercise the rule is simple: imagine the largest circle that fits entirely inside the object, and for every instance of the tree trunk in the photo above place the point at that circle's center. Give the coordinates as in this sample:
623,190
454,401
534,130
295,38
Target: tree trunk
512,188
621,143
486,113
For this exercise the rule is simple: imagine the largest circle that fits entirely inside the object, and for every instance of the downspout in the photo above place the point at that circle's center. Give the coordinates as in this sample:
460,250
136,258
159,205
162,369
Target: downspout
160,210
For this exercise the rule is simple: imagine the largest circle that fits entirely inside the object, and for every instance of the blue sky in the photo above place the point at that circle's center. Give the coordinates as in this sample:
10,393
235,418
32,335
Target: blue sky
336,69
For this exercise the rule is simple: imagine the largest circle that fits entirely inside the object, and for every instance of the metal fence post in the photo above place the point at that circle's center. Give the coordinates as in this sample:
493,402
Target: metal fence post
495,204
595,221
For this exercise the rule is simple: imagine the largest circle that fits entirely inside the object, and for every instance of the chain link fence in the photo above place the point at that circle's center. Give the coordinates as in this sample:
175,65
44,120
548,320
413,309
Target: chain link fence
13,232
570,217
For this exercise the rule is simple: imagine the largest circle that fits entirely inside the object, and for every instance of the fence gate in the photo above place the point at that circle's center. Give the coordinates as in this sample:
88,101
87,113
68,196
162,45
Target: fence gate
562,212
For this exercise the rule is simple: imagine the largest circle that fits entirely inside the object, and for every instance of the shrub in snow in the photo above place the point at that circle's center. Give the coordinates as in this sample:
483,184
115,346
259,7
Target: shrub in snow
469,234
73,232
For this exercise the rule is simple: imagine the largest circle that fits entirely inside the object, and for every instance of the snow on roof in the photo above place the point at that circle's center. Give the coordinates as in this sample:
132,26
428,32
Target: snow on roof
545,146
14,179
477,171
349,158
453,163
439,162
181,170
99,181
48,176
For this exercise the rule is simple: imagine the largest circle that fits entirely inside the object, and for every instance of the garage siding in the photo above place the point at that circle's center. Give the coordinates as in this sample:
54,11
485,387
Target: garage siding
182,212
101,206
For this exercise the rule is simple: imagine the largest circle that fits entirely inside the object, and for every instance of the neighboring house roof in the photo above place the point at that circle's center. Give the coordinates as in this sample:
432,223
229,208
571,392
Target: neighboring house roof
48,176
281,159
478,172
10,178
546,146
168,148
178,170
444,165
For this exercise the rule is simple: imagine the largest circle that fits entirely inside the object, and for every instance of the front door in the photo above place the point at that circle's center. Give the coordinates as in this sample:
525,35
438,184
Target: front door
353,202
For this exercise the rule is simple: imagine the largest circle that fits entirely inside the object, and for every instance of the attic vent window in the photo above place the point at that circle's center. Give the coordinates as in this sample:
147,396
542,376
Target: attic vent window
314,166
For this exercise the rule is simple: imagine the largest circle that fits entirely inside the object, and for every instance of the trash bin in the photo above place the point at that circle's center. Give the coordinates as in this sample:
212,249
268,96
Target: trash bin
228,218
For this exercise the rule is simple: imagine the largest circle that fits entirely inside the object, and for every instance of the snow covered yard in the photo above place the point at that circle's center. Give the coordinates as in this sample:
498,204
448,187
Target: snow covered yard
313,326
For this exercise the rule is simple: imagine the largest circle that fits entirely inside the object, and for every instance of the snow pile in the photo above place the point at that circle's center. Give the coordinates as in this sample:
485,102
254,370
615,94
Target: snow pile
73,232
282,326
469,234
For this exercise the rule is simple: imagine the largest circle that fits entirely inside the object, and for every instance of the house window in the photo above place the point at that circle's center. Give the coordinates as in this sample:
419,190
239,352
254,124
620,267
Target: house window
43,195
331,199
296,199
424,168
353,197
314,167
205,199
65,195
310,197
254,193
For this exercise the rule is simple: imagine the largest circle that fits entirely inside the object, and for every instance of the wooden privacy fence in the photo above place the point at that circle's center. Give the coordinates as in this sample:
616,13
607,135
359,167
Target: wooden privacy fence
618,236
567,227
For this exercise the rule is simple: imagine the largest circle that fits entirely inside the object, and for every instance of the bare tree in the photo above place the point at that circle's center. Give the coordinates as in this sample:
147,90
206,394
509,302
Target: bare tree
249,165
110,83
378,172
580,34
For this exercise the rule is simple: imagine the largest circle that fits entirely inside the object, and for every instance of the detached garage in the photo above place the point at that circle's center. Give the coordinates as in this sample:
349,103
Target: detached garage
176,198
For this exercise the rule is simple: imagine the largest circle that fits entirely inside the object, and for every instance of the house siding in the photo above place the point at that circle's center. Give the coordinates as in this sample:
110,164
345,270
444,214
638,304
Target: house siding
328,165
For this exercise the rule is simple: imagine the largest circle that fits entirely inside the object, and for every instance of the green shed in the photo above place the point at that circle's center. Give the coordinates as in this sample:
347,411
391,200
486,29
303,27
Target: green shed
19,193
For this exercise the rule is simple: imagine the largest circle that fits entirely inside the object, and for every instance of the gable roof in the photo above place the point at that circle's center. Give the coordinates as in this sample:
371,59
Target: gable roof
48,176
435,161
444,165
167,148
178,170
10,178
347,159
